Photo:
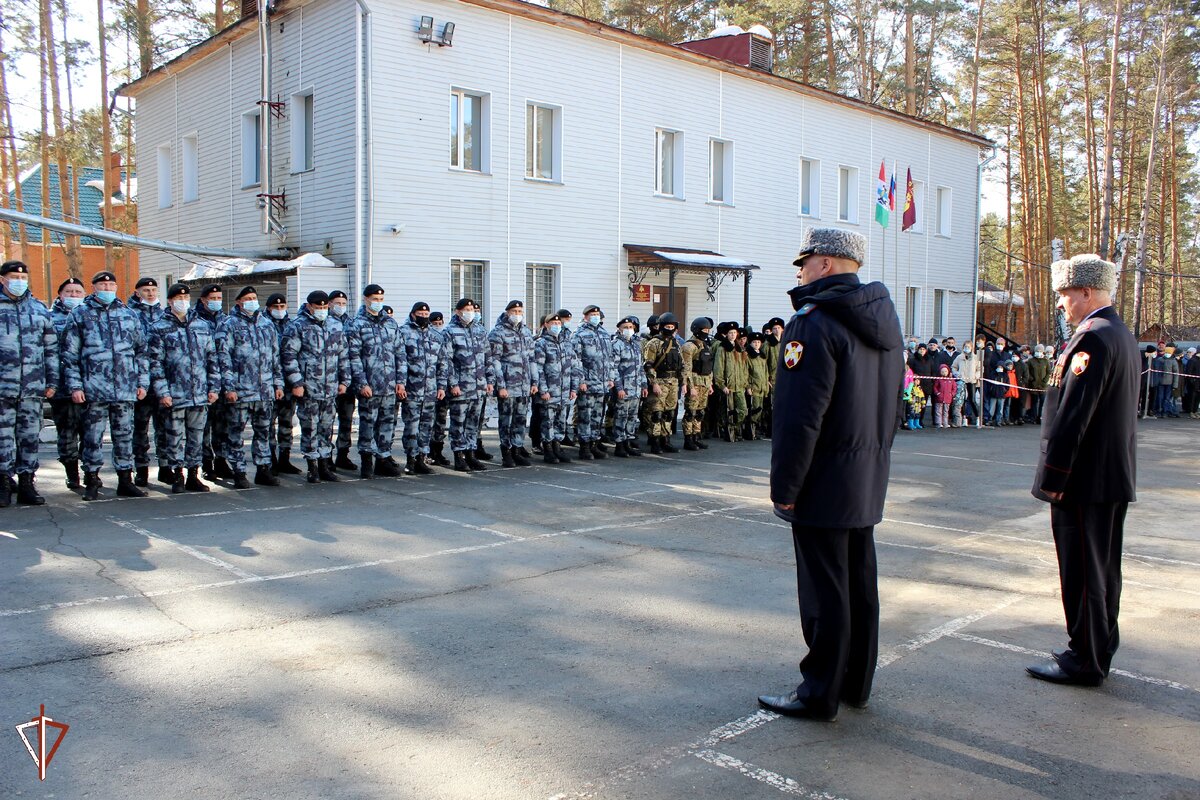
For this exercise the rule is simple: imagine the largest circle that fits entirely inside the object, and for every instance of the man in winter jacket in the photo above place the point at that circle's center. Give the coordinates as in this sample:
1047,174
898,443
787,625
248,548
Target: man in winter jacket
209,309
969,368
316,371
28,378
144,302
106,366
836,405
595,375
630,387
67,414
510,344
284,419
378,372
427,356
732,380
554,374
251,384
339,312
469,378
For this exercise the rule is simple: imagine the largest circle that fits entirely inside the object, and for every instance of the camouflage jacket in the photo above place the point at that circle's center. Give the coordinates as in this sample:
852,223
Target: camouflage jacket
28,348
148,313
593,358
60,315
511,350
378,356
554,366
423,353
470,369
183,360
314,355
734,372
104,352
699,361
249,356
627,360
758,373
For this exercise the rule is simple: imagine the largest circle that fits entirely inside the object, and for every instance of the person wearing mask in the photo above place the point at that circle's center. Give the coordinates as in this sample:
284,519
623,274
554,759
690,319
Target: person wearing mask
427,356
595,375
569,439
697,356
1189,375
773,330
144,303
469,378
316,371
441,414
663,359
1020,405
251,385
969,368
209,309
186,374
757,386
105,363
479,331
378,373
30,361
284,420
339,310
1039,375
733,380
510,345
630,387
554,374
924,366
67,414
1171,382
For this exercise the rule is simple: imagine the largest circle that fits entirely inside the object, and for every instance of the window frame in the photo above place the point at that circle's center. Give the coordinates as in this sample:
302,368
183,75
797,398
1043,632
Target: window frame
533,314
189,172
851,195
727,169
677,163
461,287
556,138
251,135
165,159
458,95
303,131
942,222
814,192
940,310
912,310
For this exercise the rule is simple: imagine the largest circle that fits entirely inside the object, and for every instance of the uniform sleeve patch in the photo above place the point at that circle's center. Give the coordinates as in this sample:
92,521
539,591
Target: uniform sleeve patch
1079,362
805,309
792,353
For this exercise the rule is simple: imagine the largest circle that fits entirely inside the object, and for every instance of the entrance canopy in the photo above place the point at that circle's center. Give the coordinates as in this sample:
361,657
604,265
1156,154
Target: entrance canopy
646,259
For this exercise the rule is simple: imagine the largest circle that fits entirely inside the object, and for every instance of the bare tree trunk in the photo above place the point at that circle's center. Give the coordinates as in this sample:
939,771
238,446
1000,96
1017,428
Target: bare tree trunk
1089,130
1140,278
66,176
1110,108
145,37
830,54
220,16
106,133
9,148
975,71
910,64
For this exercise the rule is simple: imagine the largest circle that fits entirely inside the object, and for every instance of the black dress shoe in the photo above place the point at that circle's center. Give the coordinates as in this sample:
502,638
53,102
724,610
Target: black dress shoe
790,705
1054,673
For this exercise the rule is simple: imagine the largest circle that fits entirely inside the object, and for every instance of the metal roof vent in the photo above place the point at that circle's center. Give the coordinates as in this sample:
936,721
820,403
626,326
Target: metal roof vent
752,48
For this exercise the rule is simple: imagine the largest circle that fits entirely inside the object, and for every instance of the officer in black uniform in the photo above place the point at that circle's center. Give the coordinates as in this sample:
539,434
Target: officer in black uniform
1087,466
836,396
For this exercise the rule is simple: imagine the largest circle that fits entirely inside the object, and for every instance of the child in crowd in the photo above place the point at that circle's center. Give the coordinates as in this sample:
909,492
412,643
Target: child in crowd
960,398
943,397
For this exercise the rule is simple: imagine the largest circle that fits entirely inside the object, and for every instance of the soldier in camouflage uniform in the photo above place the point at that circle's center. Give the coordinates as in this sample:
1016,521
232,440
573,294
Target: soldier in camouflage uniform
186,375
284,418
378,372
595,375
251,384
630,387
208,309
773,330
425,387
719,403
28,377
105,365
144,302
441,414
510,346
316,370
697,382
732,380
554,374
758,385
67,414
480,331
339,312
664,371
469,377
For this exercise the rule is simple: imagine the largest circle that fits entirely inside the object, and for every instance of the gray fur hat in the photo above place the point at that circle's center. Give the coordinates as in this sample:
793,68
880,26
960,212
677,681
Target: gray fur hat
1084,271
835,243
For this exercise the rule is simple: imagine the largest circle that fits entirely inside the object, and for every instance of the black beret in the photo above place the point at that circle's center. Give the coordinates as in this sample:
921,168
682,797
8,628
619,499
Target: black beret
245,291
178,289
550,318
463,303
275,299
209,289
103,276
337,294
419,306
514,304
562,312
590,309
10,267
145,282
437,316
387,309
70,282
370,289
317,297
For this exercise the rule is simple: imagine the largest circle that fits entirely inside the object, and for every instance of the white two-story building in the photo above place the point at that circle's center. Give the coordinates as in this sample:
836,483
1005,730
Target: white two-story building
498,149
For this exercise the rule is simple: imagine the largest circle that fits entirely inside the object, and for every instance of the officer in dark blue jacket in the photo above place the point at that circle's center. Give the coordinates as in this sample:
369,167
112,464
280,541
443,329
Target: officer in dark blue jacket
836,399
144,302
285,407
67,414
339,312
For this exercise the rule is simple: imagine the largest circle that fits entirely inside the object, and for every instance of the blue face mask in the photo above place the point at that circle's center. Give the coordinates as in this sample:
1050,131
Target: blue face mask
278,313
250,306
375,306
105,297
213,305
594,319
320,314
17,288
556,329
72,302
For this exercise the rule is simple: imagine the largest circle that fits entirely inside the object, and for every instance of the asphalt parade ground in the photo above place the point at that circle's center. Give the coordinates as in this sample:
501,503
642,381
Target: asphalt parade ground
599,629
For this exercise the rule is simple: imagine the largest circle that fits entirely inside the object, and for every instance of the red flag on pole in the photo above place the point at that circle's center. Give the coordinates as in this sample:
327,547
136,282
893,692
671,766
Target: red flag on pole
910,205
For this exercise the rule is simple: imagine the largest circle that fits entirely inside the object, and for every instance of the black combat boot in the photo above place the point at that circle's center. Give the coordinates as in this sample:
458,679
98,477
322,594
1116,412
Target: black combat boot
437,456
142,477
567,441
366,467
520,457
344,462
240,481
193,483
125,485
601,446
92,484
71,467
585,452
621,450
314,474
631,448
548,452
698,440
598,450
421,465
221,468
506,457
689,443
263,476
326,471
5,491
27,495
206,464
166,475
409,465
665,443
473,461
284,464
460,461
481,454
655,447
387,468
177,483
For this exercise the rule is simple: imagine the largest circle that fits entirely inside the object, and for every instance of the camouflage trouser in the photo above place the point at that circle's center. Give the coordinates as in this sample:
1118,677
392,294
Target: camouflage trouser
20,424
284,420
185,436
214,430
418,413
118,416
514,422
661,407
591,416
754,408
68,421
345,415
377,424
464,423
735,406
694,407
555,418
317,416
259,415
143,412
625,417
441,420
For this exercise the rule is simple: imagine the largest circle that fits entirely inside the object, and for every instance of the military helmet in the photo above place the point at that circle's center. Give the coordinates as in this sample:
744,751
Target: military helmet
652,321
700,323
668,319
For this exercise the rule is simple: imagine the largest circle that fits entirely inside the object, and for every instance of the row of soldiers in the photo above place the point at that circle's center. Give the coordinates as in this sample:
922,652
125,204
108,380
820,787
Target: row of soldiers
199,376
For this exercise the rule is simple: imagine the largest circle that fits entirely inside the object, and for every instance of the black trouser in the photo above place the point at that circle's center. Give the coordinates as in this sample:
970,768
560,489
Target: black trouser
345,419
1088,538
839,614
535,425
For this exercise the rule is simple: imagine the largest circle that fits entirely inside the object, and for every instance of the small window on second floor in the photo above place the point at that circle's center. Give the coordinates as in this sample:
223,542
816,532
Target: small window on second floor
191,168
302,131
165,177
668,163
810,188
848,194
720,171
251,149
543,142
468,131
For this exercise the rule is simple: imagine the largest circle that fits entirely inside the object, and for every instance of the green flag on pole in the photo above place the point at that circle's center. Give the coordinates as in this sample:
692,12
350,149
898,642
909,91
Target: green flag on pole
882,211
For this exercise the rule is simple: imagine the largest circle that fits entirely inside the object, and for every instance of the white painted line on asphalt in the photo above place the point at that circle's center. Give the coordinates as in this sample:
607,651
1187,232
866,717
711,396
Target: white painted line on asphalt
731,730
772,779
710,463
249,508
469,526
964,458
191,551
942,631
9,535
966,637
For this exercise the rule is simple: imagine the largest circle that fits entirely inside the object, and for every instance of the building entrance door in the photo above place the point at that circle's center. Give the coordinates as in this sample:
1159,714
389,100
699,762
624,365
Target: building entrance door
661,297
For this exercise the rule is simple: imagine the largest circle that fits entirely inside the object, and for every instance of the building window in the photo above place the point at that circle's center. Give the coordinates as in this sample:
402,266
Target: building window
302,132
543,142
539,293
164,176
466,280
943,211
810,188
191,168
720,171
468,130
251,150
939,312
919,202
848,195
912,305
668,163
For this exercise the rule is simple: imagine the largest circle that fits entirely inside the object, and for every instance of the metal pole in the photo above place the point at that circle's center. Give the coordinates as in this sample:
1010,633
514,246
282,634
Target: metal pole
746,301
671,291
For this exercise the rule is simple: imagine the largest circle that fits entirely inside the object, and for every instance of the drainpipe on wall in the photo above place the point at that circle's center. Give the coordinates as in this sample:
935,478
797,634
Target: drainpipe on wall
975,294
362,145
368,102
270,224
